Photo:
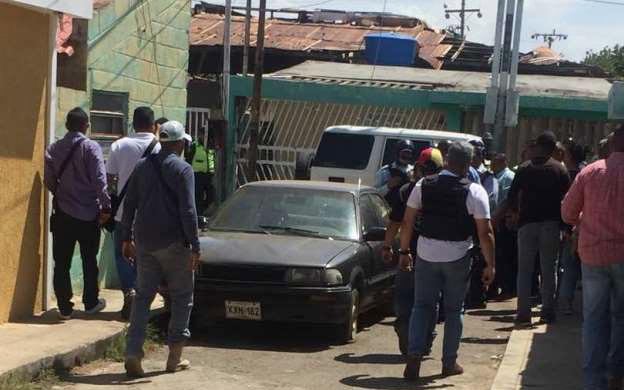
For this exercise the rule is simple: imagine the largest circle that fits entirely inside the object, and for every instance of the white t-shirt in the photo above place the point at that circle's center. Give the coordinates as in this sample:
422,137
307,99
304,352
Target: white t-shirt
124,155
433,250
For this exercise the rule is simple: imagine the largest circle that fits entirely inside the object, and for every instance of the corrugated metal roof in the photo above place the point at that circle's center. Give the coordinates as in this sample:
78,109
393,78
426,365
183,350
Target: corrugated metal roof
418,78
207,30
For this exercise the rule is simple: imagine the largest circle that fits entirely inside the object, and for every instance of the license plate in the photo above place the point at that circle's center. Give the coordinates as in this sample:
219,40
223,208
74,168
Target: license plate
243,310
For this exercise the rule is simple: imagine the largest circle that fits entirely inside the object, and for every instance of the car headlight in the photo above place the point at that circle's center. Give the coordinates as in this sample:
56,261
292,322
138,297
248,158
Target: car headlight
304,275
314,276
332,277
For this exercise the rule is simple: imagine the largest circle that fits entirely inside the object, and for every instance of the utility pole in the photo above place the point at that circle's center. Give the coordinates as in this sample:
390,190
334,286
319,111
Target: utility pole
252,153
550,38
225,89
501,109
463,11
247,37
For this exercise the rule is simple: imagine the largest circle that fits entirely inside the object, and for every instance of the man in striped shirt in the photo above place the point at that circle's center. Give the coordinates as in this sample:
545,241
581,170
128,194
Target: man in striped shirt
595,205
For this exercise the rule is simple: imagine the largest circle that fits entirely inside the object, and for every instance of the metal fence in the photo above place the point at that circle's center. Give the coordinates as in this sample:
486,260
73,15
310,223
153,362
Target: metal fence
291,129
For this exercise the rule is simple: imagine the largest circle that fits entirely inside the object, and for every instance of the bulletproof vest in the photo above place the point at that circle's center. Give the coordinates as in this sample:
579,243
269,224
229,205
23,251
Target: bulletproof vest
445,216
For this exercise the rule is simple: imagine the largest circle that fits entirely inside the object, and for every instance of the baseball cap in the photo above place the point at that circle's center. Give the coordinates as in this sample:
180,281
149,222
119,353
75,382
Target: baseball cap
173,131
431,154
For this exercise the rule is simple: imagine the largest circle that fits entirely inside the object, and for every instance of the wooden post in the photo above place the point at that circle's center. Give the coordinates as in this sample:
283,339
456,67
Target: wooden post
252,153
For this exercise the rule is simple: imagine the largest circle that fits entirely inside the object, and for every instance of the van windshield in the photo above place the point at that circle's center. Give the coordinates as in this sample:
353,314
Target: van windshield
346,151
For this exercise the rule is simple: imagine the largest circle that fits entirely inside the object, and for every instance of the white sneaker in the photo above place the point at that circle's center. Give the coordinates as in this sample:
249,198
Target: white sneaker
97,308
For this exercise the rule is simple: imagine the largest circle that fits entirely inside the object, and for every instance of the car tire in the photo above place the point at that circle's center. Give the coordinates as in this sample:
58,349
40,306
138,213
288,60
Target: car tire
349,329
303,166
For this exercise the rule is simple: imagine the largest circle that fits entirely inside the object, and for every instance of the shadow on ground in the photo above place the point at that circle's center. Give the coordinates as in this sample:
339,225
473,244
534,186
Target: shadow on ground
389,383
271,336
110,379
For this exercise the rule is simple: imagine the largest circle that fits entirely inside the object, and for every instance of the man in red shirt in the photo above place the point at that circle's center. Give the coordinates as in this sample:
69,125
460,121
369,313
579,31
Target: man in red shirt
595,205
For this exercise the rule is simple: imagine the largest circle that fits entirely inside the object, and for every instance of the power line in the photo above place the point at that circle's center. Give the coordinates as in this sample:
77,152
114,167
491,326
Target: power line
610,2
463,11
550,37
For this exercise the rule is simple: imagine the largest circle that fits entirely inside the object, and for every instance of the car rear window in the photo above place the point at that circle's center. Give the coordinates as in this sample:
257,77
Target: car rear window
346,151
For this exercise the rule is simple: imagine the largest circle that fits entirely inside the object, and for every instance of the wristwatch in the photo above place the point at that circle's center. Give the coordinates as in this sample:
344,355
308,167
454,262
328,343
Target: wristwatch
404,252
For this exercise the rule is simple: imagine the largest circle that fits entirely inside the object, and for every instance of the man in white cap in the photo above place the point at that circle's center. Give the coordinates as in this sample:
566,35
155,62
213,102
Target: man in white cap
159,231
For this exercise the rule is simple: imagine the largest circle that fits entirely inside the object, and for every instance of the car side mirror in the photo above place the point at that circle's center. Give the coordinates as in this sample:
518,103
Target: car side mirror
202,223
375,234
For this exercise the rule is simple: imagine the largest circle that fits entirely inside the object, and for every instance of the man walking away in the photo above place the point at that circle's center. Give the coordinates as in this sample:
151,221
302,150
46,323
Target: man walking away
75,175
160,205
570,264
430,162
451,206
536,194
506,240
598,195
202,159
124,155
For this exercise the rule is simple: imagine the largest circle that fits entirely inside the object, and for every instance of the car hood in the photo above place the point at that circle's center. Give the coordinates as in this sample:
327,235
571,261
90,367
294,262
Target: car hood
274,249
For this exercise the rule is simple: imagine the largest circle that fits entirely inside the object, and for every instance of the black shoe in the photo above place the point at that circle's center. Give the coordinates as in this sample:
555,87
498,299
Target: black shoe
452,369
548,318
412,368
522,321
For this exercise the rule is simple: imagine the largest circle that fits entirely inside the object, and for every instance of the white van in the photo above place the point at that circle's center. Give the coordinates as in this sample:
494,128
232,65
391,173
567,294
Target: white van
349,154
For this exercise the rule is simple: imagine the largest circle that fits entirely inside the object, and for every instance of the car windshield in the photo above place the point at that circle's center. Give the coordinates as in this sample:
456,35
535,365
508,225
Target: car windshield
291,211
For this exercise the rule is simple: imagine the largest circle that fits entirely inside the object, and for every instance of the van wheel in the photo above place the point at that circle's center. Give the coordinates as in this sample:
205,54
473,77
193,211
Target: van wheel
349,329
303,166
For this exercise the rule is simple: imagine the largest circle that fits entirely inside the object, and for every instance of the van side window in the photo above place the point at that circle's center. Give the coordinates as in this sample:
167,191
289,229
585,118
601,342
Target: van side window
346,151
390,149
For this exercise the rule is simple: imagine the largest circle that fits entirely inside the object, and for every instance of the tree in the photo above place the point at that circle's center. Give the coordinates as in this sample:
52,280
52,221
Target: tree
610,59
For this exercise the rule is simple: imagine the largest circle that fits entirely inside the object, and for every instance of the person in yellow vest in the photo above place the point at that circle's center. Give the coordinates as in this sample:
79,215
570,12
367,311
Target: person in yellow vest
202,159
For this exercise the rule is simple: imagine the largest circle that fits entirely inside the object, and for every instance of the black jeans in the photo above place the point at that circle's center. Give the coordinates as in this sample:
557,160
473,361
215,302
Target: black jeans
506,260
203,192
66,231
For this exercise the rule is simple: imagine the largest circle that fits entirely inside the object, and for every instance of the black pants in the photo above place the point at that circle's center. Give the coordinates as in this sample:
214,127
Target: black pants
203,192
475,296
506,260
66,231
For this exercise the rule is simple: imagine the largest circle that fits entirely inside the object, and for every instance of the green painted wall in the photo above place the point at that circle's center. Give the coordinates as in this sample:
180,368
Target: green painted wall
138,47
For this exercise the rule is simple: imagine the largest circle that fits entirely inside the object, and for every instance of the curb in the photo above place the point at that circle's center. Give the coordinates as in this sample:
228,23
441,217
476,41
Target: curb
514,360
66,360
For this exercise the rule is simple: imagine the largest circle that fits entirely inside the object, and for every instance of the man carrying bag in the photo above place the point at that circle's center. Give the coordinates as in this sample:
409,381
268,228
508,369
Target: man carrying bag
124,156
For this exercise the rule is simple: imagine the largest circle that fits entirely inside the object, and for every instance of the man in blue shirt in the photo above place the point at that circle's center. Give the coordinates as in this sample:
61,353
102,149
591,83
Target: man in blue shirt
159,232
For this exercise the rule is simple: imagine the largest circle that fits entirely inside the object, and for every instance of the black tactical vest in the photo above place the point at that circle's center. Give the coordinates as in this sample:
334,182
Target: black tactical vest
445,216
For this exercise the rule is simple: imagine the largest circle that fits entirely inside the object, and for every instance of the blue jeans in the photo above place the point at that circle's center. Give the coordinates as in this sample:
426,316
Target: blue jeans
430,278
537,238
571,269
125,270
172,264
603,325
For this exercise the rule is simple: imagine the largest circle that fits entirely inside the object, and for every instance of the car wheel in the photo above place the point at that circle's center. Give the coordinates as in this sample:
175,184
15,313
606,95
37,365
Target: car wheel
350,328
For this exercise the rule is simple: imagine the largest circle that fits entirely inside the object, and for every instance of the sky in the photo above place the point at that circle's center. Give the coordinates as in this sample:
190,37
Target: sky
589,25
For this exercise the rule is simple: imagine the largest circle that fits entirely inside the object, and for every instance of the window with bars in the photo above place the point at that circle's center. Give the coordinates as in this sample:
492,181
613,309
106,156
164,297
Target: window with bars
109,113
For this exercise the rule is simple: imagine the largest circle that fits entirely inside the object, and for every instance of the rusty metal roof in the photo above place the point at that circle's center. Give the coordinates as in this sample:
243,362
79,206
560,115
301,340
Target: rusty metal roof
97,4
207,30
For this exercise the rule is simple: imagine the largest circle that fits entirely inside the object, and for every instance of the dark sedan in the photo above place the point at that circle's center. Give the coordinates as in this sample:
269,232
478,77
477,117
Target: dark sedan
295,252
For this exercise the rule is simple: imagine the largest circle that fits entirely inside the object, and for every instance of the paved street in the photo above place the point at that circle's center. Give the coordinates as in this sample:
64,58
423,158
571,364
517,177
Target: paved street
271,356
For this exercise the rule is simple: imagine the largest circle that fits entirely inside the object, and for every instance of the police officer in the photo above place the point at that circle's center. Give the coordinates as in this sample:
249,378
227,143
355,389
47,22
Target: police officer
430,162
450,206
202,159
397,173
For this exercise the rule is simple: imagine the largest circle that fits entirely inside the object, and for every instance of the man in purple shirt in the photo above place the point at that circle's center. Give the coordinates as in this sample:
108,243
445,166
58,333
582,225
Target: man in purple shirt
76,177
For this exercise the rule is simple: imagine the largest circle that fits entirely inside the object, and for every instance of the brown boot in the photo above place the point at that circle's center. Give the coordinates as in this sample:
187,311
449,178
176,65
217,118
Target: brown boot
412,368
133,367
452,369
174,361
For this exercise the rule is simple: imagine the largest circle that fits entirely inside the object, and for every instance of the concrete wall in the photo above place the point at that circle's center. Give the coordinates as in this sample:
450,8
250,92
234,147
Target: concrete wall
137,47
23,99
